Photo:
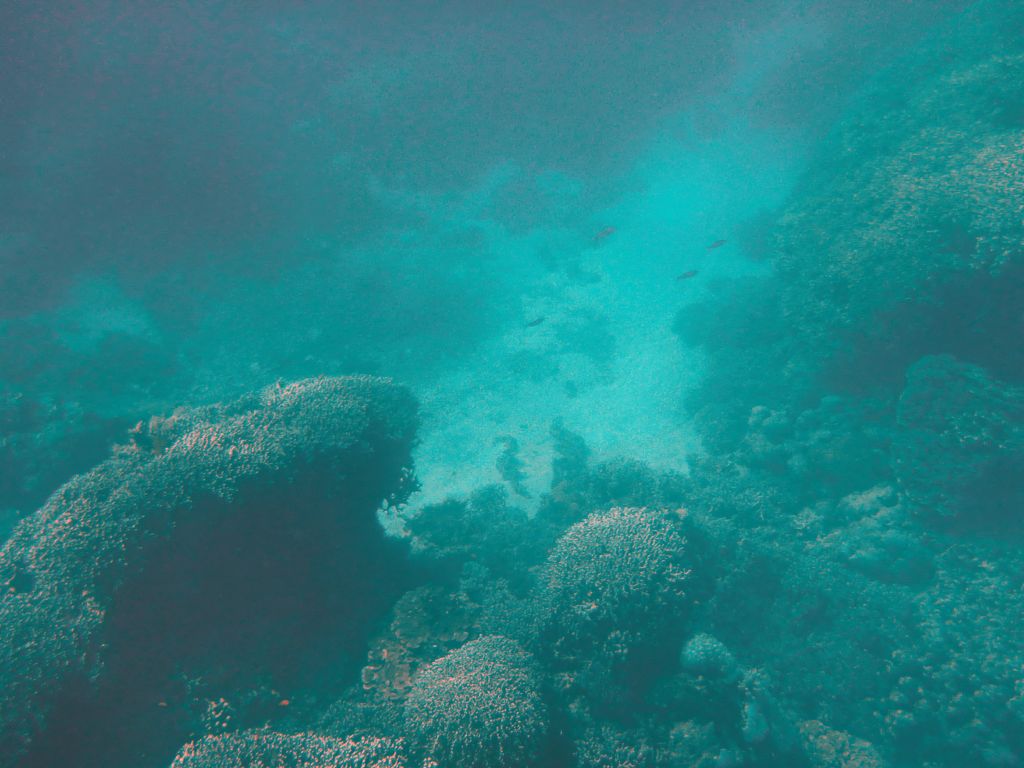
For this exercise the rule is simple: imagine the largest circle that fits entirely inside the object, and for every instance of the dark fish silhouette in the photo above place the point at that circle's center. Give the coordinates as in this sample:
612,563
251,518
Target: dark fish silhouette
536,321
717,244
604,234
687,274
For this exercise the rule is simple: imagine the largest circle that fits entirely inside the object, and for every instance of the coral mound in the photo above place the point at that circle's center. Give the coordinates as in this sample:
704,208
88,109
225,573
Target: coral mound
478,707
613,581
184,552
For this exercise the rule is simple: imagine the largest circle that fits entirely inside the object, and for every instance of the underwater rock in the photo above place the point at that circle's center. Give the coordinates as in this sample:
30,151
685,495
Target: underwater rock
720,707
189,555
479,706
262,748
959,447
766,725
755,727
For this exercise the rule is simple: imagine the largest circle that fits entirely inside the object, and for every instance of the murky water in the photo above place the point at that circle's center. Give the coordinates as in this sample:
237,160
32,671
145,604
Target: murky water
559,385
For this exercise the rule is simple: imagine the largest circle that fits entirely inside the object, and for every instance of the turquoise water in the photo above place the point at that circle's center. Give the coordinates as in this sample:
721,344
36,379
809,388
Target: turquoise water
412,384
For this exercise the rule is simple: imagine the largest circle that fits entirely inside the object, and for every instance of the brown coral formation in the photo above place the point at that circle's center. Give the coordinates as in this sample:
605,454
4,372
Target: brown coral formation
829,748
267,749
174,557
427,623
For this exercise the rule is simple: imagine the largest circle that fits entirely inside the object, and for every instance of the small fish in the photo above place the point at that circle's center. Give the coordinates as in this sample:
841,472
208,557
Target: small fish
717,244
536,321
604,234
687,274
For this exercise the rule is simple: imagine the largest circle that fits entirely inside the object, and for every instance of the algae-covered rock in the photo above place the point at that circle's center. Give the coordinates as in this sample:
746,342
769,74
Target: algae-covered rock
959,446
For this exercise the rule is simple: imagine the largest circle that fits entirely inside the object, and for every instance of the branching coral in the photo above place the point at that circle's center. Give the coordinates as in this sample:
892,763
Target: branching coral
267,749
613,584
176,549
479,706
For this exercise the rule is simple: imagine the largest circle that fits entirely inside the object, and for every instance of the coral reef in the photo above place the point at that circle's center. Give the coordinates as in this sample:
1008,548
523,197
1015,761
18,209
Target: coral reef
829,748
959,445
707,656
169,558
843,587
910,214
955,692
426,623
267,749
618,570
903,238
605,746
485,528
479,706
694,745
44,441
854,525
612,589
911,623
